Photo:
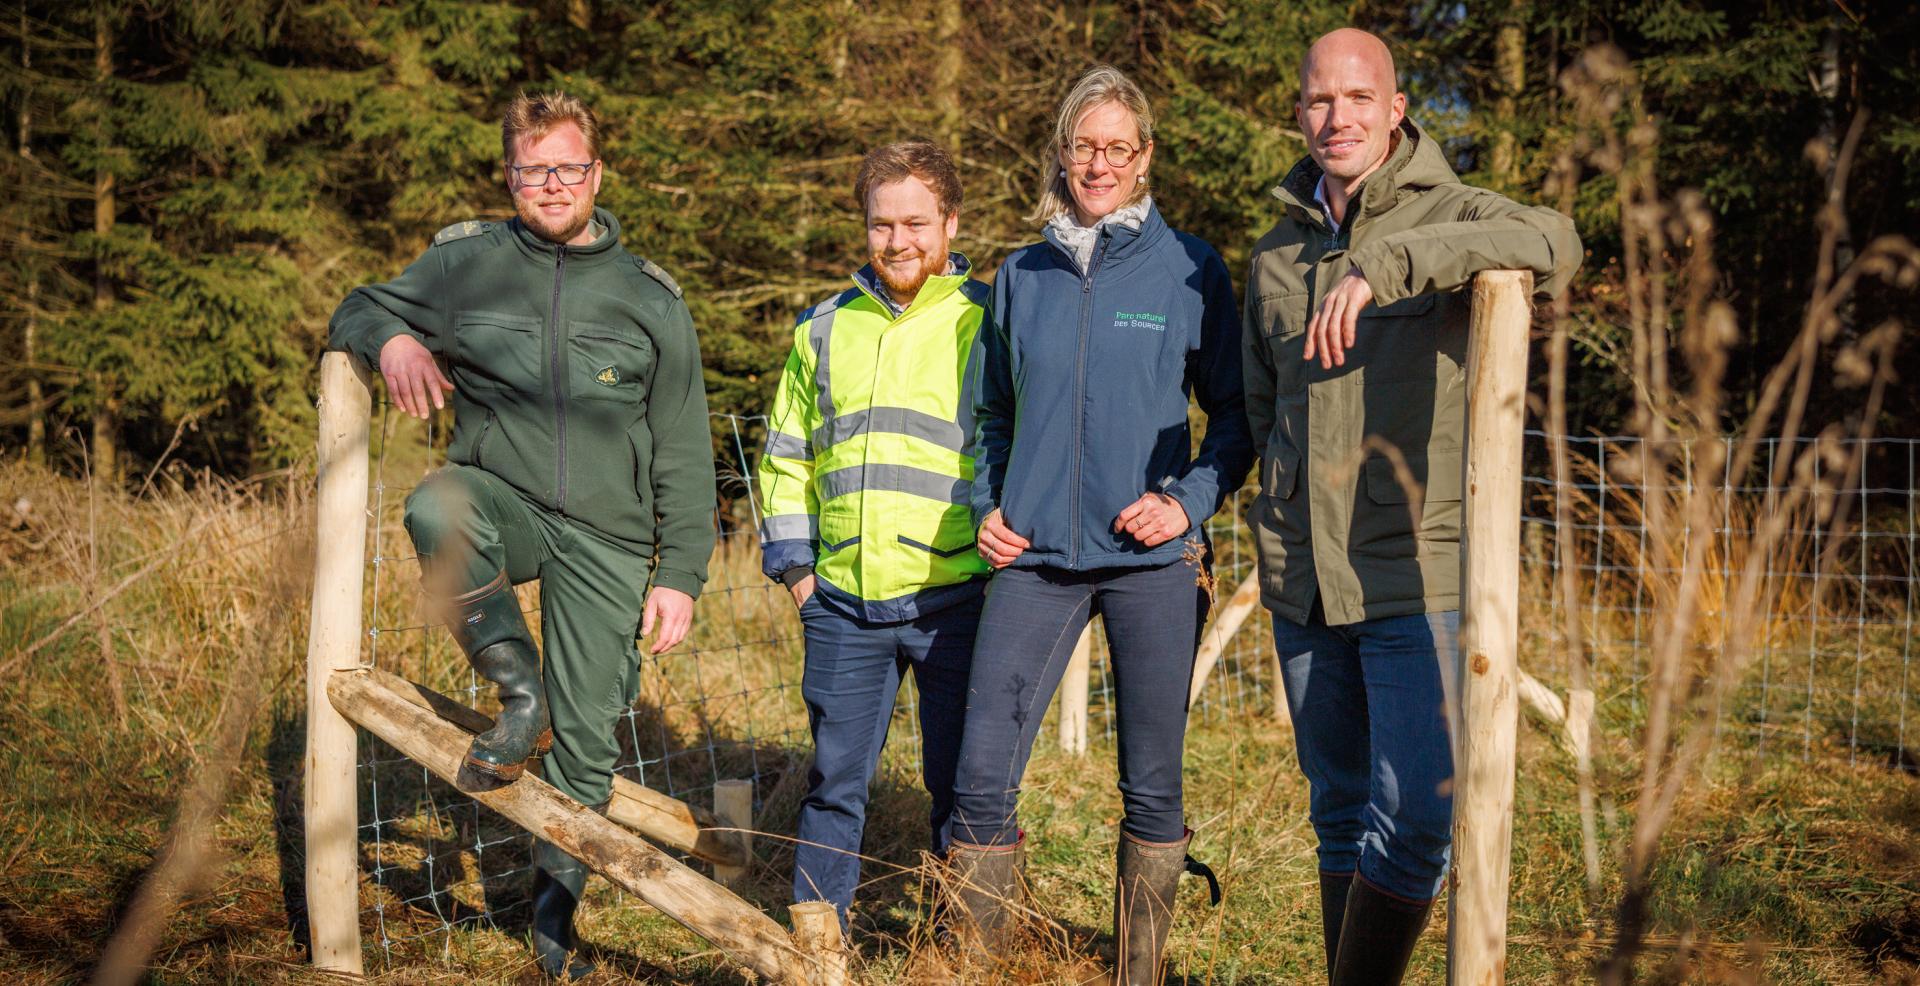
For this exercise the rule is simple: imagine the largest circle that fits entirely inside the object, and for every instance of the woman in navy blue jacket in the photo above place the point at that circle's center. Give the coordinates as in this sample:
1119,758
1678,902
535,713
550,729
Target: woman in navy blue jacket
1089,501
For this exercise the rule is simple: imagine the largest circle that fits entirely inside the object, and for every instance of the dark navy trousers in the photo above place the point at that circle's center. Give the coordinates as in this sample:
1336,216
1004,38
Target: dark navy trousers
853,672
1032,620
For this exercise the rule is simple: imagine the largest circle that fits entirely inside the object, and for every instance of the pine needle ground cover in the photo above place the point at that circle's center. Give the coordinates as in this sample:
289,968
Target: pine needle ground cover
1777,869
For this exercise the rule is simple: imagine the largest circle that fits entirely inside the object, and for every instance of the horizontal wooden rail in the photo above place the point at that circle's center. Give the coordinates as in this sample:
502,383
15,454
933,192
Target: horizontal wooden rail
669,821
738,929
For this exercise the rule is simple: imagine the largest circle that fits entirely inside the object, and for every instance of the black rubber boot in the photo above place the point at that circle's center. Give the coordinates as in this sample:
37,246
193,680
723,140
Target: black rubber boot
1377,936
985,893
487,625
1334,888
1146,876
558,880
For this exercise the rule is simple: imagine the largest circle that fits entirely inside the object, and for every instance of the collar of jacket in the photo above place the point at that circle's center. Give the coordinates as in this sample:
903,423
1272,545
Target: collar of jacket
1122,241
607,246
1415,164
936,288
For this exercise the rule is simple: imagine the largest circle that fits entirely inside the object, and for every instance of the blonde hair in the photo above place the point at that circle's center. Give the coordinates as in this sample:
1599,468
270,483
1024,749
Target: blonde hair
1101,84
533,117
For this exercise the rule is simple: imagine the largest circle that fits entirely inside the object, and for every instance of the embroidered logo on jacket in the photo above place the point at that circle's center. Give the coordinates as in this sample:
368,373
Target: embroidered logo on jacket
608,375
1140,320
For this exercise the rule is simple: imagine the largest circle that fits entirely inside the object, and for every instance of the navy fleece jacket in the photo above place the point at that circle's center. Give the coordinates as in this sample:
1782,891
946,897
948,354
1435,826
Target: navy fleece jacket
1081,402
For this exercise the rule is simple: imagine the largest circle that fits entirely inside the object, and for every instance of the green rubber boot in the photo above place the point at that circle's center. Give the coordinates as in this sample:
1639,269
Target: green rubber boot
986,890
558,880
487,625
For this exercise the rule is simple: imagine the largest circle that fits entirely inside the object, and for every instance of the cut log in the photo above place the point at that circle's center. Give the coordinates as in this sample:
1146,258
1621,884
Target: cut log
816,929
669,821
738,929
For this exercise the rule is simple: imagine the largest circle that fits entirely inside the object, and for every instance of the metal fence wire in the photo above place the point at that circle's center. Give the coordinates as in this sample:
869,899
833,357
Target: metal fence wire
726,704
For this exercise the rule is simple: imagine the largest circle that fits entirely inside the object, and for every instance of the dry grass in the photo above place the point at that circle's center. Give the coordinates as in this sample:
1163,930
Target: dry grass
1800,875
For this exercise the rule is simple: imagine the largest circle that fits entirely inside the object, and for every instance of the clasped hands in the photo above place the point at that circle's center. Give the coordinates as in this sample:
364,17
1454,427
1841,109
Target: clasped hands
1153,520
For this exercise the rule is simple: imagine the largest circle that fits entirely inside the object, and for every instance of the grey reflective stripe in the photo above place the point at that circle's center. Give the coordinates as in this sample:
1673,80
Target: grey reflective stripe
790,527
819,334
963,417
787,447
848,543
898,479
893,421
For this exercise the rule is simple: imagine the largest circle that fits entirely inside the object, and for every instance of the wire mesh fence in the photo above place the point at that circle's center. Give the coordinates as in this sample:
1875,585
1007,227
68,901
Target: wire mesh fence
1836,679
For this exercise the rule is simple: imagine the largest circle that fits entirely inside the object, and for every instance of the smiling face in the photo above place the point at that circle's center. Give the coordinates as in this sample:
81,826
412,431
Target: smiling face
1098,187
907,235
1348,108
555,211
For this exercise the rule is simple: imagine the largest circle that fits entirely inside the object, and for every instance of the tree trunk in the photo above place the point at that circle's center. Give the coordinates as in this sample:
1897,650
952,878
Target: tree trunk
36,412
1510,79
106,426
946,78
1828,88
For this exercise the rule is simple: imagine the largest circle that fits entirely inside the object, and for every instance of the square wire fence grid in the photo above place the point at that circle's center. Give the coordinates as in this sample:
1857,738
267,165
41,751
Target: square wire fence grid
726,704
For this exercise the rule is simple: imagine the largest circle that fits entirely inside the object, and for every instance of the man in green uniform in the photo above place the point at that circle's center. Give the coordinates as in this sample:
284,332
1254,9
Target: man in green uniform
580,457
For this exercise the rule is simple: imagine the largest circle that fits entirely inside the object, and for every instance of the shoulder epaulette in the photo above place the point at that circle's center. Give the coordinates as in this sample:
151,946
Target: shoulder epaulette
837,301
460,231
653,270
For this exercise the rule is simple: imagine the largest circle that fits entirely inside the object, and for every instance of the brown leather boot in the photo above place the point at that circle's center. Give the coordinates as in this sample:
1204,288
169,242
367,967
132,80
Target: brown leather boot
1377,936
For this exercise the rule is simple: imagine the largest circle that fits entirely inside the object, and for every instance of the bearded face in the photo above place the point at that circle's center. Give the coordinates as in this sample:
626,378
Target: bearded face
556,211
907,236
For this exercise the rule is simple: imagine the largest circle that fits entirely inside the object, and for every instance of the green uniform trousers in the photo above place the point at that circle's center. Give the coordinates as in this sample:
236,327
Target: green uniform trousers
468,526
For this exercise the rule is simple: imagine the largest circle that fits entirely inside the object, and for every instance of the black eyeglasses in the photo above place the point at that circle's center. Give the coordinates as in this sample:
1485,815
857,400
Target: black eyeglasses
569,174
1117,153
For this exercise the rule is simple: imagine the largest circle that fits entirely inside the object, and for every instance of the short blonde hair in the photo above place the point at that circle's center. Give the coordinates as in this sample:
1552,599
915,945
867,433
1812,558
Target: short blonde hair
534,117
1100,84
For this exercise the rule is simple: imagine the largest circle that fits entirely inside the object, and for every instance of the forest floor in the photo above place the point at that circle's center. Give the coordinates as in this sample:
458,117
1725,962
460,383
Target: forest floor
1782,865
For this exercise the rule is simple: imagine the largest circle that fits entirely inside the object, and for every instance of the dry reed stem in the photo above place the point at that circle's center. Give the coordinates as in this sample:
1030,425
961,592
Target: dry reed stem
1683,434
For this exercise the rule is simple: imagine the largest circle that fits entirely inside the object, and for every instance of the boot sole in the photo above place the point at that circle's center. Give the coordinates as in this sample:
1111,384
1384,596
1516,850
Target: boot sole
503,771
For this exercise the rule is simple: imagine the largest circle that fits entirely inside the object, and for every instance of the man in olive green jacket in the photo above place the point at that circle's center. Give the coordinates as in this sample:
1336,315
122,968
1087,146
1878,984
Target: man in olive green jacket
580,457
1355,342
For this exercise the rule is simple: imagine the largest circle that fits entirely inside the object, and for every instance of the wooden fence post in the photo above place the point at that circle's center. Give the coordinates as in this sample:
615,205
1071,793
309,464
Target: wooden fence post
733,808
1489,626
1073,695
1226,622
333,644
816,929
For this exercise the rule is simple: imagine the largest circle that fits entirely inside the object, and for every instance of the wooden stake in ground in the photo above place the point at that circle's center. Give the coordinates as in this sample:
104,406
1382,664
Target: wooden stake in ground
339,559
1489,626
1073,695
738,929
733,809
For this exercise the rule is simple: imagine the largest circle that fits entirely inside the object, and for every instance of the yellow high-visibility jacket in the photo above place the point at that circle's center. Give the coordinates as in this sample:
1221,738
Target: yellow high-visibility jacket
866,474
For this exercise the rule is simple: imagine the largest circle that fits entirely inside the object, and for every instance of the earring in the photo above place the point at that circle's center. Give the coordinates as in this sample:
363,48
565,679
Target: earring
1140,179
1063,172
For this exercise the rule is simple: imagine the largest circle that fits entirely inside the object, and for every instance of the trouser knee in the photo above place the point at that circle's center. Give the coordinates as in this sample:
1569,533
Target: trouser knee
442,512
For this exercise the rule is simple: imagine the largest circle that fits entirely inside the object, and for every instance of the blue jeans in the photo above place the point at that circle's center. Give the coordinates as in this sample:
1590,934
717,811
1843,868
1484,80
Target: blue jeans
1373,705
1032,620
852,674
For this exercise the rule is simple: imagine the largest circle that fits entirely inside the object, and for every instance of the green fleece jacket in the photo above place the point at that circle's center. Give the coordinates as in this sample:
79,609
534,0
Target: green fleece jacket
576,377
1333,521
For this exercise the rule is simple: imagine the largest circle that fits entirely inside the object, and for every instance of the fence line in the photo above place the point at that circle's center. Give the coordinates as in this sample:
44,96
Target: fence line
727,705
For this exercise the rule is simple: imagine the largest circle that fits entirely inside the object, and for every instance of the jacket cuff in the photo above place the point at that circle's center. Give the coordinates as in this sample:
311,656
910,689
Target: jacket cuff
1385,277
673,578
776,557
1197,499
795,575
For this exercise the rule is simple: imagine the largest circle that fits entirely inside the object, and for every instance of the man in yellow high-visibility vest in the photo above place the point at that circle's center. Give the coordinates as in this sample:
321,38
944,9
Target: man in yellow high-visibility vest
865,481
